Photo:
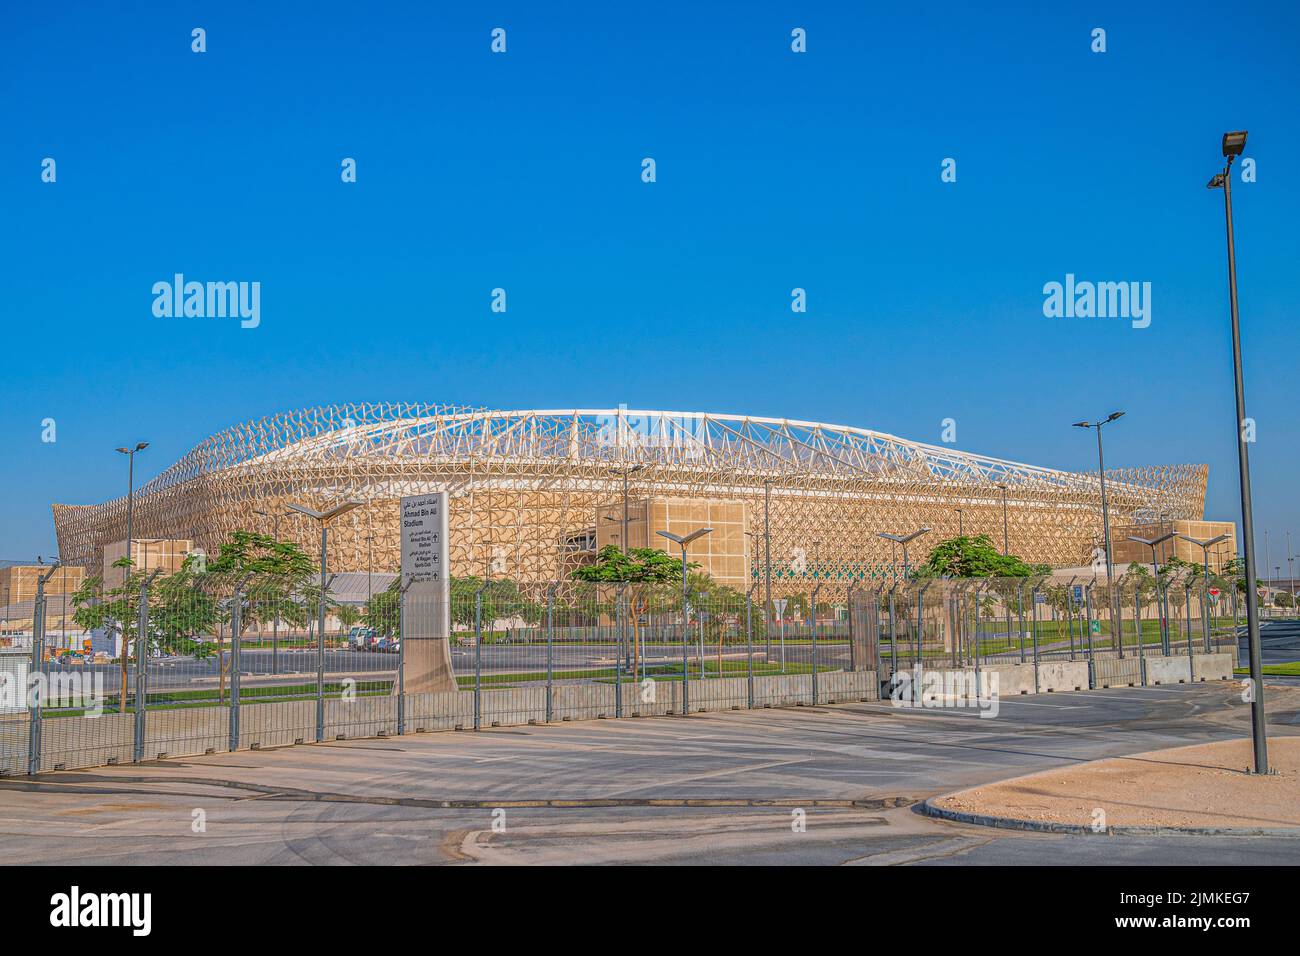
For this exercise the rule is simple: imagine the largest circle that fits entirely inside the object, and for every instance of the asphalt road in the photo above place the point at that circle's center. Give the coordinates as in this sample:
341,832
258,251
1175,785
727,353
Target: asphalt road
289,666
1279,643
380,801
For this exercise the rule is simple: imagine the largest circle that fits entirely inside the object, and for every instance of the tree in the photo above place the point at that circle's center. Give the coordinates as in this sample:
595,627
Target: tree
181,609
975,557
115,610
347,615
282,587
644,571
383,611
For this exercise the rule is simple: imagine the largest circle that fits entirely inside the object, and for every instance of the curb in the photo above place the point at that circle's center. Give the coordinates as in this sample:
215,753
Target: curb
928,809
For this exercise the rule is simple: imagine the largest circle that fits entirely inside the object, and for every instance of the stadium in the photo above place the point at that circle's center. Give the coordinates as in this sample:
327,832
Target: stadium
536,493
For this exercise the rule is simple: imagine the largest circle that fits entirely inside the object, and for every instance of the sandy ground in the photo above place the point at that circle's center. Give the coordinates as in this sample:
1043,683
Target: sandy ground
1199,786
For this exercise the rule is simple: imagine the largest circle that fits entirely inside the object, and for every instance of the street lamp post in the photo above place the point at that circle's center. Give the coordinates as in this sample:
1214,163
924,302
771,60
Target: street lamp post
1233,144
275,624
1205,547
624,471
322,518
1006,538
961,528
684,542
1162,606
126,572
767,564
1105,520
903,540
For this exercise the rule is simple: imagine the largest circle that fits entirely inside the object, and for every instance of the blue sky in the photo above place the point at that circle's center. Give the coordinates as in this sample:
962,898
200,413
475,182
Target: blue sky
775,170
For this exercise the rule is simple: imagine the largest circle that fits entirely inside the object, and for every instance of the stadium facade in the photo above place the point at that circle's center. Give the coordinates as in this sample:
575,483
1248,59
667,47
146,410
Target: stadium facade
535,493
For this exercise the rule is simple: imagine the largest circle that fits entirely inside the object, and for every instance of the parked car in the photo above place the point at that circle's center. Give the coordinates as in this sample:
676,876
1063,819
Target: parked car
362,638
389,645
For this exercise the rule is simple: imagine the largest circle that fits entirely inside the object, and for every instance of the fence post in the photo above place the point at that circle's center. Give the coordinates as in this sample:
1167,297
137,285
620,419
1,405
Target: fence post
919,669
401,657
37,692
893,637
320,638
618,653
1033,598
141,669
550,651
1137,619
478,657
235,628
1020,617
848,602
813,627
749,647
1092,662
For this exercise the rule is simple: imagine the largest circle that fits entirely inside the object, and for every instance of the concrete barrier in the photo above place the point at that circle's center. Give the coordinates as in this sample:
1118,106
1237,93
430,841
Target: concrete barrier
1168,670
1062,675
1208,667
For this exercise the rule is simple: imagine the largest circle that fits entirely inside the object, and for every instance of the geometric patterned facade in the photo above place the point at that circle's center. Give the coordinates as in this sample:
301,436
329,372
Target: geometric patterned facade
527,489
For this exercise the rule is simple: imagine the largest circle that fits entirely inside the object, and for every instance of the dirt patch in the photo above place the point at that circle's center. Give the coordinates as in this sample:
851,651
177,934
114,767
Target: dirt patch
1205,785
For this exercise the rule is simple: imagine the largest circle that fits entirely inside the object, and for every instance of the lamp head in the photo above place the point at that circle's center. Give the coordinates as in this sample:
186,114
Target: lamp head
1234,143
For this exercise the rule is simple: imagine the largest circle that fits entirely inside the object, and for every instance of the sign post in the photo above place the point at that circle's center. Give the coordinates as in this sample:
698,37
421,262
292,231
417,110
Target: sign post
426,638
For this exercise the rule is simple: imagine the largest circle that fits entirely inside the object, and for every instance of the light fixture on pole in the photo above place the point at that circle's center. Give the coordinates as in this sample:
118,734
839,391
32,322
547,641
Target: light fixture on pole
1162,606
322,518
1006,539
1233,144
684,542
126,572
275,624
1105,516
624,471
903,540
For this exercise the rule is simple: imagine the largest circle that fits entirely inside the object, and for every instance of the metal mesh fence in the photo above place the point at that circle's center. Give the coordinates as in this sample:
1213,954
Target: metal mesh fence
198,663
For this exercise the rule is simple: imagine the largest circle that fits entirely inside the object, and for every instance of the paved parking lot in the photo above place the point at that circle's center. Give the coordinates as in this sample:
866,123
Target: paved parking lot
714,788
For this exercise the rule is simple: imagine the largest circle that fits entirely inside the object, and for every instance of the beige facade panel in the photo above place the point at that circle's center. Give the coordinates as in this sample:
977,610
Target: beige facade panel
147,554
18,581
534,493
1125,552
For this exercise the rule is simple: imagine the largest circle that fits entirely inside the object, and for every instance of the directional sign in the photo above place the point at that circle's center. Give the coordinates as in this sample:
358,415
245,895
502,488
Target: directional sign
1078,594
426,622
1095,626
424,538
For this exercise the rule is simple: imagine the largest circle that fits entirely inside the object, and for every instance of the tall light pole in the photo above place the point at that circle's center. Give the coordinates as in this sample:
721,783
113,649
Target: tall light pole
767,559
624,471
275,625
1290,570
903,540
1205,546
684,542
322,518
1162,607
1006,538
961,528
1233,144
1105,517
126,572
